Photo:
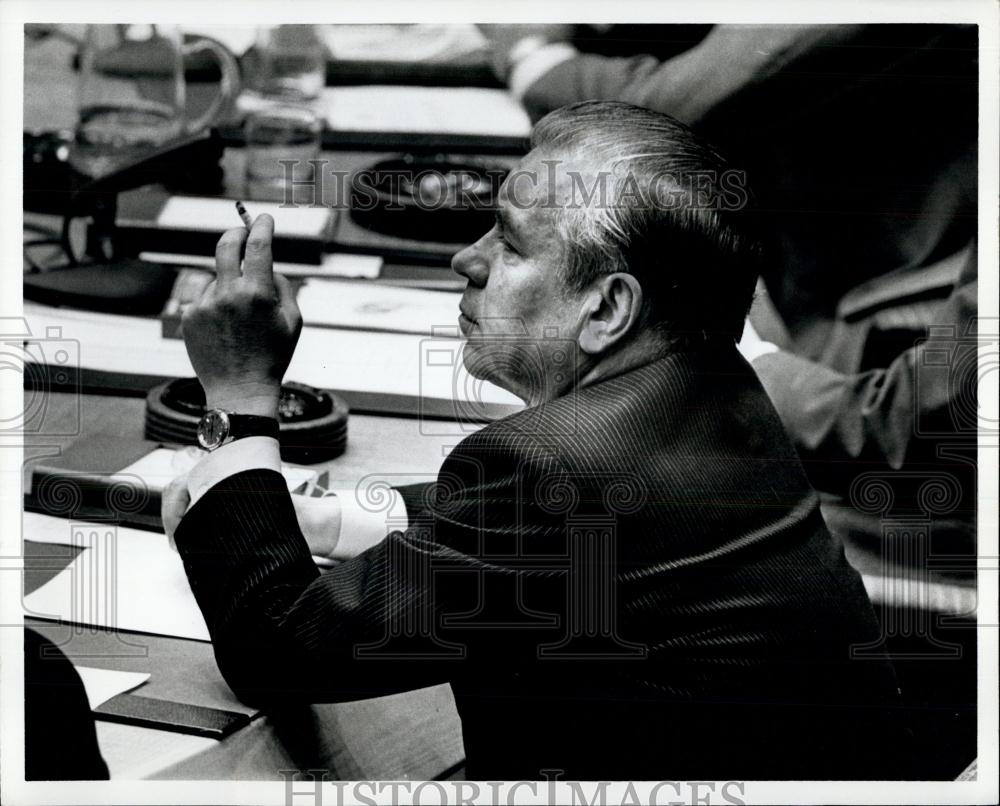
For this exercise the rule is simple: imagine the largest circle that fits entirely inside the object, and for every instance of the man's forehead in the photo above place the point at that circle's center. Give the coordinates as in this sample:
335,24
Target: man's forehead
544,181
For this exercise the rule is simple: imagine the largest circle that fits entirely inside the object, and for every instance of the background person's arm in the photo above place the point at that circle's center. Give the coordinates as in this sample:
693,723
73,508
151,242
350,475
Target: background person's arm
729,60
883,418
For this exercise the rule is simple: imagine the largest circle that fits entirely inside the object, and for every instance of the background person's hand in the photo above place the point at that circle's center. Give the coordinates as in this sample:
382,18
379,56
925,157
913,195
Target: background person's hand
503,37
173,504
241,333
319,520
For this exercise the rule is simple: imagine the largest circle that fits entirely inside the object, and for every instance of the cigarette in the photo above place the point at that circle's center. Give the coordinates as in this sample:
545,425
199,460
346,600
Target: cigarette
247,221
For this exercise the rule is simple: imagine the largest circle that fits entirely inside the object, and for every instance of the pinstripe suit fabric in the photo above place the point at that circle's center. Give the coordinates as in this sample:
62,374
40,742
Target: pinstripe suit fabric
630,581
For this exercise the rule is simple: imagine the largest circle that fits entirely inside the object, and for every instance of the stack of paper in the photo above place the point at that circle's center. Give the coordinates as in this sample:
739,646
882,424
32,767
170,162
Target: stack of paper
424,110
218,215
367,306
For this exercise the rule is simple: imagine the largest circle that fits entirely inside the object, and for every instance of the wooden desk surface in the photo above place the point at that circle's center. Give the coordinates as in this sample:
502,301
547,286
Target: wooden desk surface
415,735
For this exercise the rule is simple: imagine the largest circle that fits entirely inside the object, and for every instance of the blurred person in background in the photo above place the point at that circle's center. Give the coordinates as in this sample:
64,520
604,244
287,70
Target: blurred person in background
860,141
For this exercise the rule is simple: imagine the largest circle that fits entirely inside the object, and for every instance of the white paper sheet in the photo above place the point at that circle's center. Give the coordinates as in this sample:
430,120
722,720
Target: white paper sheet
133,753
367,267
124,579
103,684
218,215
424,110
367,306
157,468
419,42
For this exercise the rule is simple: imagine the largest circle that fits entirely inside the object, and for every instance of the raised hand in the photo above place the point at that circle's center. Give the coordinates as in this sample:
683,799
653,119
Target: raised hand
241,333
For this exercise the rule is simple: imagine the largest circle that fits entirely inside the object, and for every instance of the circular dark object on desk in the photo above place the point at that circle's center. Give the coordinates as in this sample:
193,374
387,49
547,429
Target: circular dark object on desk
431,199
313,422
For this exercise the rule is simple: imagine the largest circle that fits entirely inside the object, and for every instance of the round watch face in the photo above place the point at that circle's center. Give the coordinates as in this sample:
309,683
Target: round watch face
213,429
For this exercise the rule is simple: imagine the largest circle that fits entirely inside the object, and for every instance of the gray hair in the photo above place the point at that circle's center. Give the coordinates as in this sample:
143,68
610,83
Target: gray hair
674,215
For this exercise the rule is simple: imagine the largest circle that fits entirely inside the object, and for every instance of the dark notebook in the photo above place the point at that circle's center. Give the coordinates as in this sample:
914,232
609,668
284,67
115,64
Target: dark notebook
81,483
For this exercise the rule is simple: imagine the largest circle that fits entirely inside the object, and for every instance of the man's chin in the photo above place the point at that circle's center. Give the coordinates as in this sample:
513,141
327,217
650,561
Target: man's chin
481,360
476,358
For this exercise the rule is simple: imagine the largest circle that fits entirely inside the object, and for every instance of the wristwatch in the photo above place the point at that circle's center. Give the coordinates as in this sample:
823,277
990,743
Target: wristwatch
218,427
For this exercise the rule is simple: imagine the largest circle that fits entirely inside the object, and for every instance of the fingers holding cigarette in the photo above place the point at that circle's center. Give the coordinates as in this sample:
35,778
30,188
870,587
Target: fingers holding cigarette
249,245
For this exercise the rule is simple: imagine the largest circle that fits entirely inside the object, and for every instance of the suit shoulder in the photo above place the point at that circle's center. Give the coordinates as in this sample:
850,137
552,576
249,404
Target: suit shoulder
505,446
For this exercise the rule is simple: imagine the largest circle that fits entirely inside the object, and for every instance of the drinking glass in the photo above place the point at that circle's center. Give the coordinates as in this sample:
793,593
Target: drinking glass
291,62
280,142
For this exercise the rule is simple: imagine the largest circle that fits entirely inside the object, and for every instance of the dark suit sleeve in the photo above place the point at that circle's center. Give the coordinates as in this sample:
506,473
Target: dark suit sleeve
884,418
729,60
370,626
414,498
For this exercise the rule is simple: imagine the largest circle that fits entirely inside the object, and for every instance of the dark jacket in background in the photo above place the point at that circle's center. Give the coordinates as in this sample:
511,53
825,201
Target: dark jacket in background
60,742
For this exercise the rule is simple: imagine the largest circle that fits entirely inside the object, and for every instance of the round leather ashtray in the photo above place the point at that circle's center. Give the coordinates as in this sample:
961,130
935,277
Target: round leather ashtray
432,199
313,422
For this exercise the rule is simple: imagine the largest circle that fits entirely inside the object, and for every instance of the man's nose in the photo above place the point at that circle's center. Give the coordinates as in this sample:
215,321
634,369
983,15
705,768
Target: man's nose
471,264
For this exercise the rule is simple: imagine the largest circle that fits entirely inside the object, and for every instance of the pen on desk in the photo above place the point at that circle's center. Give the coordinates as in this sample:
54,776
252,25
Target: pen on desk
247,221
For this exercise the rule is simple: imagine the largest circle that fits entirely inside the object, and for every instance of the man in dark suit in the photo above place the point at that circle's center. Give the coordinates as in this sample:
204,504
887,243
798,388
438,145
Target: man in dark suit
862,140
630,578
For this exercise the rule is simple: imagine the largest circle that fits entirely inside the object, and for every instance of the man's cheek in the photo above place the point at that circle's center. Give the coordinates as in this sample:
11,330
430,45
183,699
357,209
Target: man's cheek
516,312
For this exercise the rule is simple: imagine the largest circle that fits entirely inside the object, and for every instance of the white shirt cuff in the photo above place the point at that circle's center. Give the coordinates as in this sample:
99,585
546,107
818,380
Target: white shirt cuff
361,528
249,453
763,348
536,64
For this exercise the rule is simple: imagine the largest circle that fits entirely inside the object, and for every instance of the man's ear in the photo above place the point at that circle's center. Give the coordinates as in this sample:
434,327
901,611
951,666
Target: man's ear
610,312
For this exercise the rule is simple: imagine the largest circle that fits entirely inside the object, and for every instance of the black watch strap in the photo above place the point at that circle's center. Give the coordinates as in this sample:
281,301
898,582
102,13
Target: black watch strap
252,425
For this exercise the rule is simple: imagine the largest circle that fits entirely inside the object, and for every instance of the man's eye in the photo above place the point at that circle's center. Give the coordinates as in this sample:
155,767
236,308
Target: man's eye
507,245
498,233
